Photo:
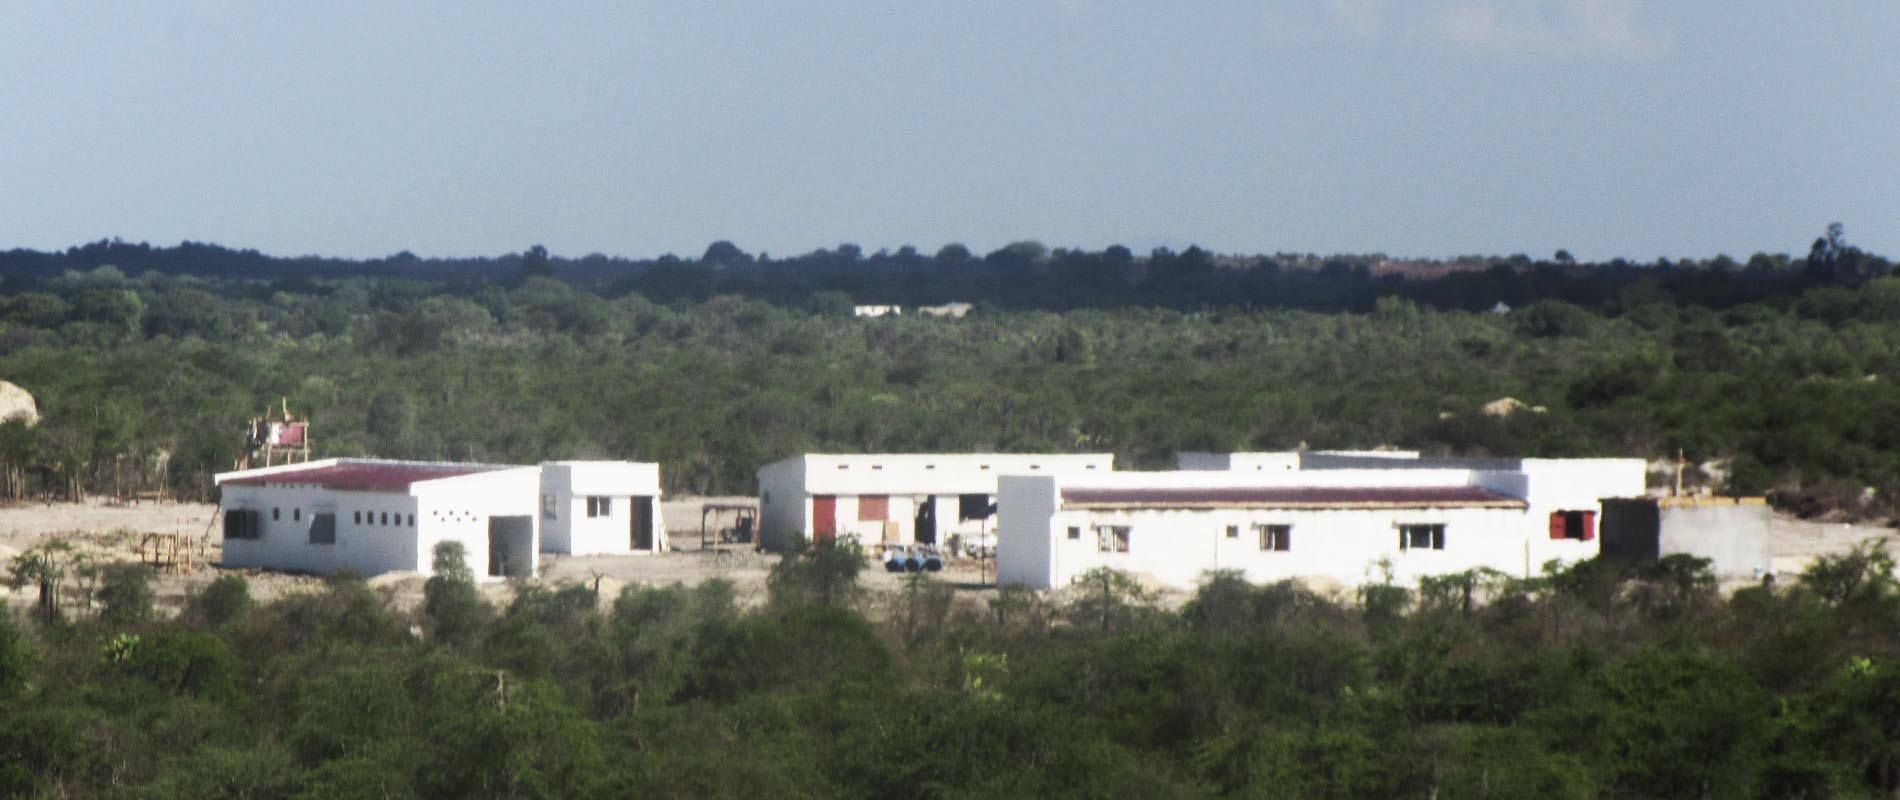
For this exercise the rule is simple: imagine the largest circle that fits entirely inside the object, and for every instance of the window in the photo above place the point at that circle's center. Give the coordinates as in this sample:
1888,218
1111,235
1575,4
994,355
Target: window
874,507
296,515
548,507
1275,538
385,518
241,524
322,528
600,507
1421,537
974,506
1075,532
275,514
357,516
412,520
1578,525
1233,531
1112,538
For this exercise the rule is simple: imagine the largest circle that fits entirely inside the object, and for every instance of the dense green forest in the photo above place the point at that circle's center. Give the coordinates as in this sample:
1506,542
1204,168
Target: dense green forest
147,361
1586,683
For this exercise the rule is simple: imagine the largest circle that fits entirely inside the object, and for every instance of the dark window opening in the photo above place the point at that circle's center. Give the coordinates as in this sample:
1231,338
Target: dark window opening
1422,537
322,528
600,507
1075,532
1233,531
1112,538
275,514
974,506
242,524
1275,538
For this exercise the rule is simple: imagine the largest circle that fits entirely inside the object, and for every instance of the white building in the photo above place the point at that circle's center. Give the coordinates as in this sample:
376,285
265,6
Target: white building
896,498
1344,517
601,508
372,516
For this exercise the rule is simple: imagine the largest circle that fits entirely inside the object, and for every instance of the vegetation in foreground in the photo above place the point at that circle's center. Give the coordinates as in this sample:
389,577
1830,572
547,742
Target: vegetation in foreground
1587,682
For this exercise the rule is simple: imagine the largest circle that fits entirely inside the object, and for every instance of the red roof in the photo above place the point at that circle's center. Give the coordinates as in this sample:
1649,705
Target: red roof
365,477
1291,497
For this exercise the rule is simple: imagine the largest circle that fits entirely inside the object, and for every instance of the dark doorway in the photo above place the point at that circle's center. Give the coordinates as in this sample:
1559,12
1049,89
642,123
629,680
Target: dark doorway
642,524
511,547
927,521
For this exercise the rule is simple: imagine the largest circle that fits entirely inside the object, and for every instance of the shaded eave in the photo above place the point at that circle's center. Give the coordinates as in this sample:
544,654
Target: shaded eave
1286,497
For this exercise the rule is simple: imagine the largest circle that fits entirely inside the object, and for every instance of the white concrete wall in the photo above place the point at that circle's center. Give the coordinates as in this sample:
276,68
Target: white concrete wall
1575,484
784,506
364,544
786,489
459,508
1734,538
1246,462
1178,548
455,508
1026,538
565,489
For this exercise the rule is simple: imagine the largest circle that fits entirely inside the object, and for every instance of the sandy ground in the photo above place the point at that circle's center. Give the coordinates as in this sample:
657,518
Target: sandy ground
109,532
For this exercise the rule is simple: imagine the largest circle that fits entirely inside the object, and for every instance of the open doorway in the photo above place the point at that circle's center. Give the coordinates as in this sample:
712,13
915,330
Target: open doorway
642,524
927,520
511,547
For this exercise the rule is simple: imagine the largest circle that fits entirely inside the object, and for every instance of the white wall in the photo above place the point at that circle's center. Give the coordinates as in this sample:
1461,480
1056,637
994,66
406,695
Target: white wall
786,489
565,489
455,508
367,547
1025,537
1245,462
459,508
1178,548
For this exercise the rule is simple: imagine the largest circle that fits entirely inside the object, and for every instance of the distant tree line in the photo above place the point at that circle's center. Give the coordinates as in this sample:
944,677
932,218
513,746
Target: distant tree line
1029,275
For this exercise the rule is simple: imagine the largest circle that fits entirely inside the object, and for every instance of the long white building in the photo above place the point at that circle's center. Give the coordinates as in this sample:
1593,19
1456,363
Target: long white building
899,499
1348,518
372,516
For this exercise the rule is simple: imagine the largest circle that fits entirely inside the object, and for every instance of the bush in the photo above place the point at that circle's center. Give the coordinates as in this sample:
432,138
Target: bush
126,591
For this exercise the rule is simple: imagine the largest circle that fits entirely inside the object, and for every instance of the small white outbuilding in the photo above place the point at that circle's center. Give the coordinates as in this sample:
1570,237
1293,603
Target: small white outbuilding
897,499
601,508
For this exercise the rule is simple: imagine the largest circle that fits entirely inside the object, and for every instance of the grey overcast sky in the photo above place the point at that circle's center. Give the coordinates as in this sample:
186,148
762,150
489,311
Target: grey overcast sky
1409,127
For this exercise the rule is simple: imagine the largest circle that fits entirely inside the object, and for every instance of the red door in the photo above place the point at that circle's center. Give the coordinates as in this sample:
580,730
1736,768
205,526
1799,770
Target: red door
824,518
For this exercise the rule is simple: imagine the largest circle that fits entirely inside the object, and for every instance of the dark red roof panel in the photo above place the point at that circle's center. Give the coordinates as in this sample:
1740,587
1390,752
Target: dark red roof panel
1291,497
365,477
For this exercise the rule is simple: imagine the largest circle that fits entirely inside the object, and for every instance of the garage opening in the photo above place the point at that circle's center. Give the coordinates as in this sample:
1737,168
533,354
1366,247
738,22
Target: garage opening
511,547
927,521
642,524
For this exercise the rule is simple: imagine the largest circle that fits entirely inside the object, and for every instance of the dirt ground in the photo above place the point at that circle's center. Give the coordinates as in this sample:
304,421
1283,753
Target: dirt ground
109,532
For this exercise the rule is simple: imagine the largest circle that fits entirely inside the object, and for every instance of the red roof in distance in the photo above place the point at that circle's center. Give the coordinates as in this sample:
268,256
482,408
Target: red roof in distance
365,476
1291,497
